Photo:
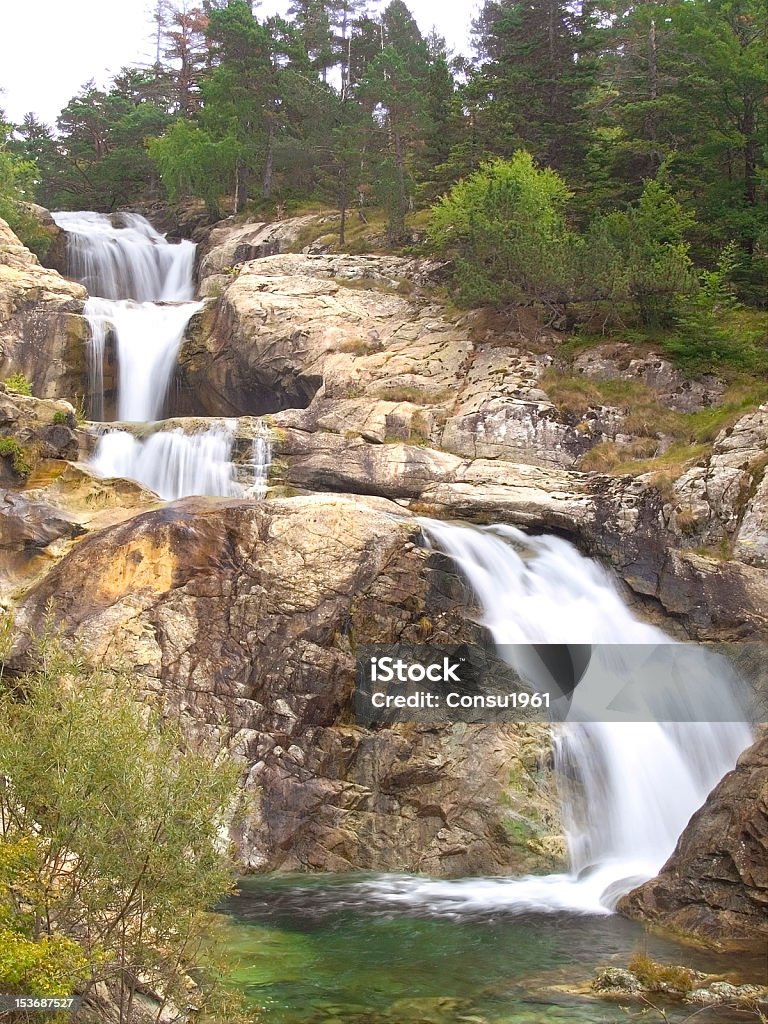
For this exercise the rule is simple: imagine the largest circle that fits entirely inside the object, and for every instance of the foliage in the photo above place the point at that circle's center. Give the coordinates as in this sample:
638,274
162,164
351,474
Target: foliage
17,187
15,452
706,336
639,255
111,851
19,382
505,229
191,162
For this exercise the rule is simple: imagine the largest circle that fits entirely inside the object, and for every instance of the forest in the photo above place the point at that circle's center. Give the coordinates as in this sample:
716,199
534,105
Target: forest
342,105
605,162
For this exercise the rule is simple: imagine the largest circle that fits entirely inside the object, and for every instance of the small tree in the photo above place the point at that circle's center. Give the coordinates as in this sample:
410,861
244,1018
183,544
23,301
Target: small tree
110,847
504,227
192,163
639,255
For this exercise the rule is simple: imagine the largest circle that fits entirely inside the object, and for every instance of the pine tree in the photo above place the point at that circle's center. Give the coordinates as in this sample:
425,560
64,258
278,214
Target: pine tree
535,75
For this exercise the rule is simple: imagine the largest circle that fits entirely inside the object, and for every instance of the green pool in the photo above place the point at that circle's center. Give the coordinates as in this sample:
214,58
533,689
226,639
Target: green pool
336,950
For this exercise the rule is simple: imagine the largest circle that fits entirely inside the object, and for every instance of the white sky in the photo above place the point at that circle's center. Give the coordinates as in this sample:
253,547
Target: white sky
49,48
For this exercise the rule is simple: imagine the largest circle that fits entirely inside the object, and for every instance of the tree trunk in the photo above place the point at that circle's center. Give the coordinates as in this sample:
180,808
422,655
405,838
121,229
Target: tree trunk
269,166
241,185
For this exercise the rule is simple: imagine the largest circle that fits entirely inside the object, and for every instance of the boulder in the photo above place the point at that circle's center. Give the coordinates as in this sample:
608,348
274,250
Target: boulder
715,885
232,242
242,619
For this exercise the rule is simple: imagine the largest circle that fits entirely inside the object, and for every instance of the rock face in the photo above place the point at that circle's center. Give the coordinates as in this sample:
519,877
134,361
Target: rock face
41,333
357,343
242,618
230,244
726,500
715,884
672,386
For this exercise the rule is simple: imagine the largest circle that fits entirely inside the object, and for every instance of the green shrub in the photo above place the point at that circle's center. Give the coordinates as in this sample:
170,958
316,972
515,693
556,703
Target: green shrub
111,852
639,255
19,383
60,417
17,456
504,227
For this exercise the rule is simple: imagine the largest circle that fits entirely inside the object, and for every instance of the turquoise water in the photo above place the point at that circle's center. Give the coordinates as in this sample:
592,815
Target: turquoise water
318,950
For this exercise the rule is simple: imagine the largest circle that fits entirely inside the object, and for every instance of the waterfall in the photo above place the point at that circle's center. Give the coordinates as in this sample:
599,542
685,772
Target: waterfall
140,288
148,336
141,295
176,465
260,461
123,257
637,783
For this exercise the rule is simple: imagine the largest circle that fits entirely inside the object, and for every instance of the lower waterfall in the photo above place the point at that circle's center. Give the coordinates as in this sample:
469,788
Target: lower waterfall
635,784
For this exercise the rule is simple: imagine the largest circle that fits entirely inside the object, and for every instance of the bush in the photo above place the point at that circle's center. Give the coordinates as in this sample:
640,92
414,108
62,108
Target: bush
710,333
639,255
17,184
17,455
111,852
19,383
504,228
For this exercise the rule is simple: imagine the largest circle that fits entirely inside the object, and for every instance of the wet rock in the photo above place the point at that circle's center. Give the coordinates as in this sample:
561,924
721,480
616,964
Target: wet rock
715,884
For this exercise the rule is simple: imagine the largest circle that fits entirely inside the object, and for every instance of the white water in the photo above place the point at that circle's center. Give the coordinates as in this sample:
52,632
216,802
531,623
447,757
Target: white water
177,465
140,288
130,261
639,781
148,337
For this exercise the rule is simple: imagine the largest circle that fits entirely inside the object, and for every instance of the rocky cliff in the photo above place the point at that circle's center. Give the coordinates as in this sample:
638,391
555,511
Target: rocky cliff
41,333
243,618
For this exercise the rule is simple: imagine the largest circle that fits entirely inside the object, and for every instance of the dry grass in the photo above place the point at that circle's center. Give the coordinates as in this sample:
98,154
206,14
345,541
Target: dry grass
413,394
620,460
657,977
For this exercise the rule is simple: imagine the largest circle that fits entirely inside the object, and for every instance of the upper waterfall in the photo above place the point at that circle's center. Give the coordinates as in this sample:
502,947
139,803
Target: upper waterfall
142,297
123,257
141,287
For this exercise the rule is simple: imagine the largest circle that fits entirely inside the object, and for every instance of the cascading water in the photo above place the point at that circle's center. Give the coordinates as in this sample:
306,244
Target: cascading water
639,782
148,336
140,288
176,465
123,257
141,292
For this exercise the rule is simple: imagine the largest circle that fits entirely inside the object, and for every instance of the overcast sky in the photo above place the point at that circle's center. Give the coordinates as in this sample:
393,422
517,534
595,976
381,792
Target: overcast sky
50,48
